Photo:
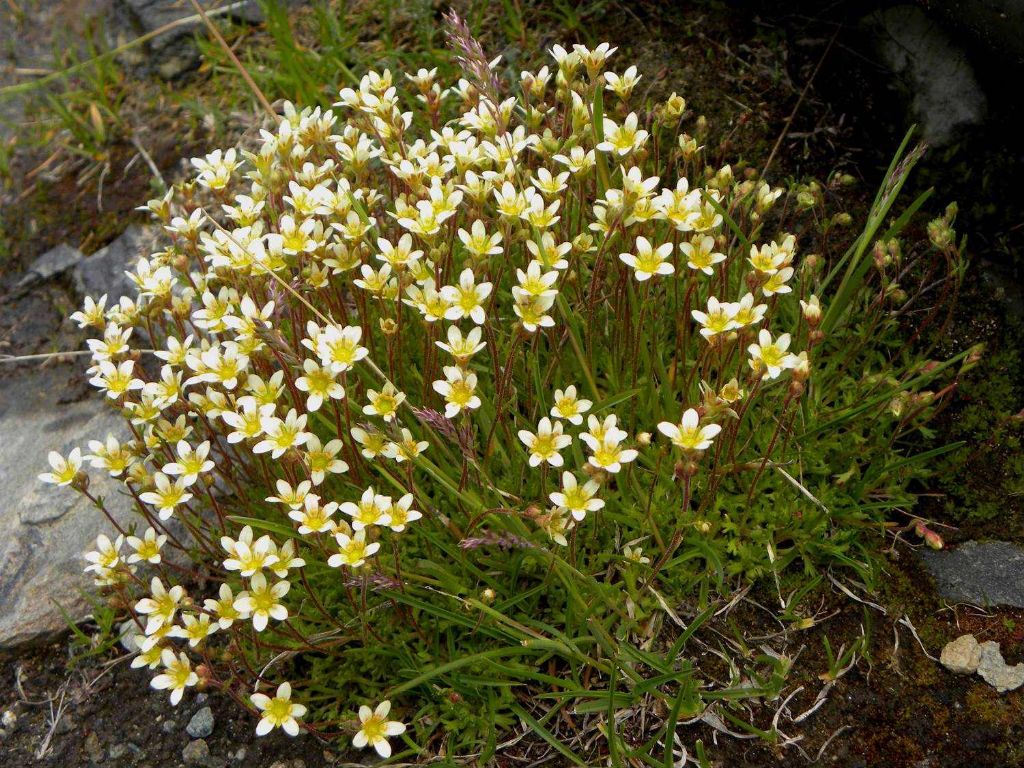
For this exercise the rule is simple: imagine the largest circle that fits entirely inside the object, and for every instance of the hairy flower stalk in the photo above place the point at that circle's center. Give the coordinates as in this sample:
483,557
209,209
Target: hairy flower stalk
474,339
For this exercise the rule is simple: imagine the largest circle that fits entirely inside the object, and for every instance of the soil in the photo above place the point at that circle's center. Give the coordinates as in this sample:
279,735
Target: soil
747,73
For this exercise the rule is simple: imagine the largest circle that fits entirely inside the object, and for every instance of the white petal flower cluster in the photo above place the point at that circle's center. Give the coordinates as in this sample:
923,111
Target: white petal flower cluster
380,328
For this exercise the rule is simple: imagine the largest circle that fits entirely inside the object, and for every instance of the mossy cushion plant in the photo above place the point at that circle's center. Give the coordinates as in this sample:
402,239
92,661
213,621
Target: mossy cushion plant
452,399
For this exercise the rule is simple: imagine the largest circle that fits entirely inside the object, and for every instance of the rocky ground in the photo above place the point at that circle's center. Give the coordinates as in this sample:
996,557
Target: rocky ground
65,703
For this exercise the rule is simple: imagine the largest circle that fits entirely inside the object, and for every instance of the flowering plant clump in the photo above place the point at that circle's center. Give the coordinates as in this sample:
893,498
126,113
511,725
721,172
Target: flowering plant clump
455,394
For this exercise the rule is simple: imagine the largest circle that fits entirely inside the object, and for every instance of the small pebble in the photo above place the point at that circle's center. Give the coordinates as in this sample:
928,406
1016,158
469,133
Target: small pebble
66,724
117,751
962,655
239,756
93,748
169,726
196,753
201,724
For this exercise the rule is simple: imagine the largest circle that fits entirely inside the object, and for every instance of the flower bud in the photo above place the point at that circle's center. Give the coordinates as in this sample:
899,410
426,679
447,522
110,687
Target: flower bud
812,310
688,146
583,243
940,233
81,481
842,219
932,539
644,439
488,596
388,326
675,105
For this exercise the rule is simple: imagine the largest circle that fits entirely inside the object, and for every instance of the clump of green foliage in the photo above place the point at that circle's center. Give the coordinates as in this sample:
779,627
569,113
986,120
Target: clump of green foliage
461,392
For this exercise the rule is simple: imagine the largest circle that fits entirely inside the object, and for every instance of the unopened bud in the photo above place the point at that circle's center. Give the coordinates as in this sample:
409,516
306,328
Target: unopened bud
81,481
388,326
675,105
812,310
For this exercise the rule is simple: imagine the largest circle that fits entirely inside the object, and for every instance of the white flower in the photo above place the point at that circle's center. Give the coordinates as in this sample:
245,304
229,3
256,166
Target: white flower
167,496
575,498
466,299
352,550
161,606
701,255
770,356
190,463
64,470
278,712
720,318
375,729
177,675
569,407
458,389
462,347
545,444
384,403
147,549
280,435
372,509
262,601
688,434
648,261
319,382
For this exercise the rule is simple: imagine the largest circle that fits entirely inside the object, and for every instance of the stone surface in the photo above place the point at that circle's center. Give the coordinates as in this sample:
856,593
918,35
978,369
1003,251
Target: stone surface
961,655
173,52
997,26
996,672
104,271
196,753
46,528
982,573
54,262
943,91
201,724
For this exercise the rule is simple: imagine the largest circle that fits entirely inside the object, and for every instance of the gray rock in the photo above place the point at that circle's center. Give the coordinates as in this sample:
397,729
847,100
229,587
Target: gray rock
996,672
66,724
55,261
46,528
961,655
997,26
104,271
982,573
118,751
173,52
201,724
943,91
169,726
196,753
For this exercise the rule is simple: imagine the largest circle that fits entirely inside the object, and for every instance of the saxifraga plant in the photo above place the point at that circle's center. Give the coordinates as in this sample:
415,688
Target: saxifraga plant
457,398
